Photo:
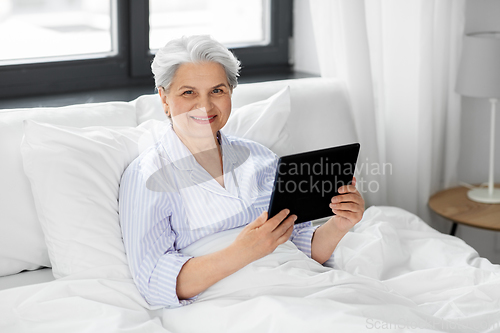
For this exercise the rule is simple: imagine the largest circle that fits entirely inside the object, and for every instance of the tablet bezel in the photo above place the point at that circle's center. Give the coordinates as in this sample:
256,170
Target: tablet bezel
344,159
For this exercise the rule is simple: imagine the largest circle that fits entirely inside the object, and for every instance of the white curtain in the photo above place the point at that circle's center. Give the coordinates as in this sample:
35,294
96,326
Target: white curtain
399,61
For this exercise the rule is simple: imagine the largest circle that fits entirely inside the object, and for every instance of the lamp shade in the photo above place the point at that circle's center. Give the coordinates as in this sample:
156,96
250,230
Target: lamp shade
479,71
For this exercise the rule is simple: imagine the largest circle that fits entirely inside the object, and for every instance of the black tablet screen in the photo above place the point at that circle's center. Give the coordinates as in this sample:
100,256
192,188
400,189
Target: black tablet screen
305,183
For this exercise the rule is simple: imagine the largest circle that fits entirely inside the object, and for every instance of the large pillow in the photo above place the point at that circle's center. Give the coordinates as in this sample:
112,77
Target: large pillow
75,176
22,246
264,121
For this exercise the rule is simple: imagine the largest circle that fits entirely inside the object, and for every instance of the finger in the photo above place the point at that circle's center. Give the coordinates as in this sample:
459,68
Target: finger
347,189
353,181
349,197
350,206
274,221
285,225
259,221
348,215
286,235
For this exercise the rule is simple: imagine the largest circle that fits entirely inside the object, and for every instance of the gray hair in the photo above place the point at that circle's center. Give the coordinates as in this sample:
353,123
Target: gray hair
192,49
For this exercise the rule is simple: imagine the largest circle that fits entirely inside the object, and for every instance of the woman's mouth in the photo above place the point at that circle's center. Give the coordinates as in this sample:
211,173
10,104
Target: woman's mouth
203,120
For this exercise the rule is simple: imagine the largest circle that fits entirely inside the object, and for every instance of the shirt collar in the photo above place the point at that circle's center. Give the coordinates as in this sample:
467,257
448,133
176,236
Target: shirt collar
227,149
183,159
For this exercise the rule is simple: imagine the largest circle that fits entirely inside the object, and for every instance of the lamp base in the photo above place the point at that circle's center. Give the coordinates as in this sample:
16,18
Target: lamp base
482,195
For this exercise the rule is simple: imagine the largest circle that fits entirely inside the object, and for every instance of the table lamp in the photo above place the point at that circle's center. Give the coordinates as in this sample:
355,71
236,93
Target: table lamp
479,76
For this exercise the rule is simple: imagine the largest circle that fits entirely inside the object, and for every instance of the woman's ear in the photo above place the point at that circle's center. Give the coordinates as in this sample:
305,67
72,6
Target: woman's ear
164,101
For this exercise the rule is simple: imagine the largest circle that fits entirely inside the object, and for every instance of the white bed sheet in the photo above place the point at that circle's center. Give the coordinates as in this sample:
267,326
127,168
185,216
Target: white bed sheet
393,274
26,278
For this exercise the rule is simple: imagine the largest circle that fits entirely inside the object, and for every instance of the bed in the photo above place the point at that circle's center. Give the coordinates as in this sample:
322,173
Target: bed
64,268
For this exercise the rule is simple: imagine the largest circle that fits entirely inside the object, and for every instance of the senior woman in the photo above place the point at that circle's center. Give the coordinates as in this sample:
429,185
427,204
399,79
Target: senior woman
208,185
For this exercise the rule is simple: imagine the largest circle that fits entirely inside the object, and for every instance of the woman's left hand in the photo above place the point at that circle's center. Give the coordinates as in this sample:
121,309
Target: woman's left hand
348,207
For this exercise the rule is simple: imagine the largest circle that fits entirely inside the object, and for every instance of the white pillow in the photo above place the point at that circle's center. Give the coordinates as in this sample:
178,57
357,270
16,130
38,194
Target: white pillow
22,246
149,107
264,122
75,175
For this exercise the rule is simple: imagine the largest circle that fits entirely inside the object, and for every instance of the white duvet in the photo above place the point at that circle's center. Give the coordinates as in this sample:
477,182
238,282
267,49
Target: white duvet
392,273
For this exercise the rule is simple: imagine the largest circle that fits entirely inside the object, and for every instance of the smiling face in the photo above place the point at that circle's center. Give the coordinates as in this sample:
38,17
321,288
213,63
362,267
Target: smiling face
199,100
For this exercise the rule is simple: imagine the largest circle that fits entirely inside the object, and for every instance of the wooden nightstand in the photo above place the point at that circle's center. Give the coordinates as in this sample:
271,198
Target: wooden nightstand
454,205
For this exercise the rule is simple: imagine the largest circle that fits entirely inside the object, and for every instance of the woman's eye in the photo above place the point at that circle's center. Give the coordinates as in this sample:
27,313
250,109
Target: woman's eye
217,91
188,92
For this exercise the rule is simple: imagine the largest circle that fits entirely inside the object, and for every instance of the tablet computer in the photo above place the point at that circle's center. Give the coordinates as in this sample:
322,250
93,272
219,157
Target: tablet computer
305,183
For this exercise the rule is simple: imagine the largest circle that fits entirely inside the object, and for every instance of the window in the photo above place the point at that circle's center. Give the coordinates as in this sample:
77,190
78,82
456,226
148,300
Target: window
48,30
169,19
56,46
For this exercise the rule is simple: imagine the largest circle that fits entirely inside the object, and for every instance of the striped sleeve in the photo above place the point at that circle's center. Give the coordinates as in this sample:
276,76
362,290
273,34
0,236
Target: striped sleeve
162,289
302,235
149,240
330,262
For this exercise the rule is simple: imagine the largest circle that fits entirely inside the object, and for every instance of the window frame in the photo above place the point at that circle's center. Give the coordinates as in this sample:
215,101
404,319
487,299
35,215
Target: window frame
254,59
131,65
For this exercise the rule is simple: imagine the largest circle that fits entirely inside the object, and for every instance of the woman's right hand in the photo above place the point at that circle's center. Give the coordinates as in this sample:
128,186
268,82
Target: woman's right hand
256,240
262,236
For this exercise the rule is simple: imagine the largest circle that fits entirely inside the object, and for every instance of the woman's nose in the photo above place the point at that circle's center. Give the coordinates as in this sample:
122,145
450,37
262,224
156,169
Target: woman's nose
205,102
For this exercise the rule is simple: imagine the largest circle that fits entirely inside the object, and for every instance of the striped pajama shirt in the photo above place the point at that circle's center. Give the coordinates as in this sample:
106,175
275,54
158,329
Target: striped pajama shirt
167,201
